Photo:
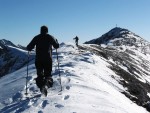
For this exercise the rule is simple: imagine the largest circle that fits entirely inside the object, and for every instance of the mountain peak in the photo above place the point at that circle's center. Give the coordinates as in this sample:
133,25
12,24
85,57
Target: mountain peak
118,29
118,37
4,42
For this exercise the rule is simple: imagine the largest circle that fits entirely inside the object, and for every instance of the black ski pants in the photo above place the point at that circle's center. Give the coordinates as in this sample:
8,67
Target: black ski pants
44,69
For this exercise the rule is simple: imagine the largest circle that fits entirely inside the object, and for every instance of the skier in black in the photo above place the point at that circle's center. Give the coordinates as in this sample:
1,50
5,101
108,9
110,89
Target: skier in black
76,40
43,60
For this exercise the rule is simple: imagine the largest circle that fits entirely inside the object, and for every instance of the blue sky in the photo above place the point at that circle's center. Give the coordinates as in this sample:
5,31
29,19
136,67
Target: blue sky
21,20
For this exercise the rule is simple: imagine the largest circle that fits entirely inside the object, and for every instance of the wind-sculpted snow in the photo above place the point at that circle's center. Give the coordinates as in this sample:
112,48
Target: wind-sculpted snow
131,55
90,85
131,66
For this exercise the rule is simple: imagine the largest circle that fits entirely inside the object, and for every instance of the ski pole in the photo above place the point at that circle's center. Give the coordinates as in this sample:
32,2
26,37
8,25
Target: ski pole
27,74
59,70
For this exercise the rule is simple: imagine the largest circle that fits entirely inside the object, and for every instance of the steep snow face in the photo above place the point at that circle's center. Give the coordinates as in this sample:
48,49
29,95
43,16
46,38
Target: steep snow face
122,37
131,65
89,86
131,55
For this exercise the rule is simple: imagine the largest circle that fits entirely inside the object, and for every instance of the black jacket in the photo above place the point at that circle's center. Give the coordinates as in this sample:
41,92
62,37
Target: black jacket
43,43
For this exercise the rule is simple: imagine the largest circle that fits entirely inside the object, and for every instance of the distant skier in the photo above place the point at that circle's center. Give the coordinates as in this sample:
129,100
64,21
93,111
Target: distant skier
43,60
76,40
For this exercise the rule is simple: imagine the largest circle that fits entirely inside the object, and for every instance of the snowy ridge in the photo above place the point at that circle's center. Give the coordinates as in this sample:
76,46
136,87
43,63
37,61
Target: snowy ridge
89,86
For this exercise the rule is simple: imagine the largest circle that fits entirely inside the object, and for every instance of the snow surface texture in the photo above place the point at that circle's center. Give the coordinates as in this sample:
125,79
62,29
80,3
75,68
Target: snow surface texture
87,82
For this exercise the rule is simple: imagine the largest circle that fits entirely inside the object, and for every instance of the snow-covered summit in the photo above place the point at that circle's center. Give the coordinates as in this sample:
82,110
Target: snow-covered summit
119,37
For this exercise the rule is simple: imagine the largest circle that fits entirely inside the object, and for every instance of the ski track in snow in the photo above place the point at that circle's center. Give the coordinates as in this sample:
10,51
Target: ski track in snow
87,88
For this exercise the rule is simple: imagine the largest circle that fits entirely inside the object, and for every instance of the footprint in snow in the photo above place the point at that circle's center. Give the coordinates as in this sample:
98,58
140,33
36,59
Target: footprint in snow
32,88
40,111
66,97
44,103
67,87
59,106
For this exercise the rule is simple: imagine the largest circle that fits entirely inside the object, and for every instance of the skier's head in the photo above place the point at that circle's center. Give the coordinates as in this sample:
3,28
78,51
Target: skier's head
44,30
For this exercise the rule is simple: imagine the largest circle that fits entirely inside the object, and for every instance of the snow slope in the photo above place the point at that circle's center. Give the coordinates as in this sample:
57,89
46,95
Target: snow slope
87,82
12,57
